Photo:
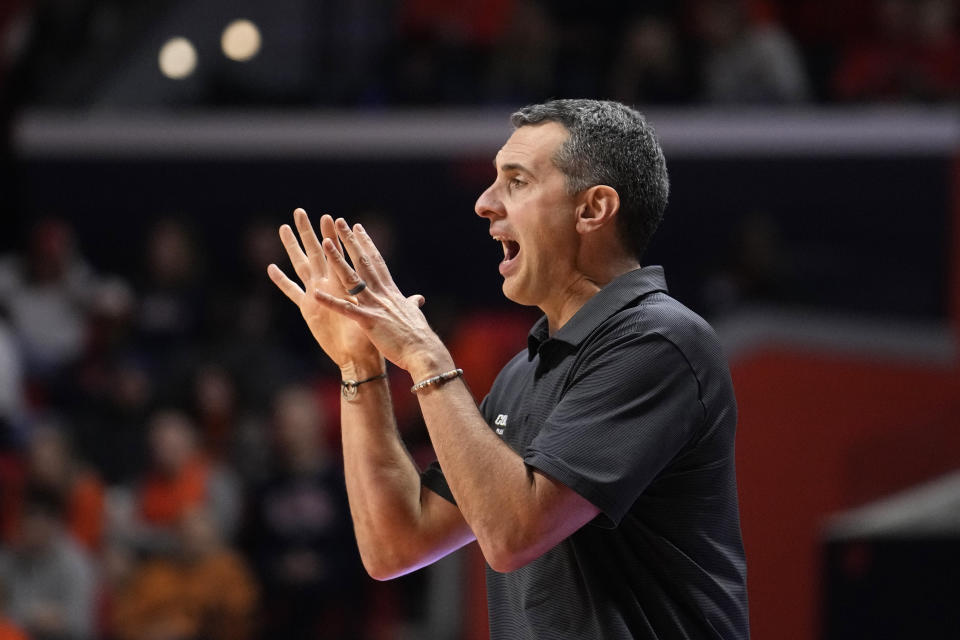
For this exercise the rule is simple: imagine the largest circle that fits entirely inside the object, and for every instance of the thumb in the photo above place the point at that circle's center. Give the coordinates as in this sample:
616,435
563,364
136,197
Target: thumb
417,299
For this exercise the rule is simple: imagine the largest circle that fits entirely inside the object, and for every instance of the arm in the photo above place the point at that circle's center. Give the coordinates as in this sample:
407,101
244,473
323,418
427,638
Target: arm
516,513
399,526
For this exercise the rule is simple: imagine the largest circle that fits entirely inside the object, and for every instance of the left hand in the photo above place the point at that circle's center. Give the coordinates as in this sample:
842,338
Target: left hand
393,323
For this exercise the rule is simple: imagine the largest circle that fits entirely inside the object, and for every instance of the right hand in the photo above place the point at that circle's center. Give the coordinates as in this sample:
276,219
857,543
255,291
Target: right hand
340,337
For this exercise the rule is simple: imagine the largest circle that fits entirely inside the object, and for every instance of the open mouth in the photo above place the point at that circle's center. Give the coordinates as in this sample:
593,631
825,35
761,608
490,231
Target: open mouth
510,249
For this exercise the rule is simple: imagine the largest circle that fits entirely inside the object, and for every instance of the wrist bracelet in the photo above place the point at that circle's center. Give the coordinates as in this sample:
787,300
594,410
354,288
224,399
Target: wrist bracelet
440,379
348,388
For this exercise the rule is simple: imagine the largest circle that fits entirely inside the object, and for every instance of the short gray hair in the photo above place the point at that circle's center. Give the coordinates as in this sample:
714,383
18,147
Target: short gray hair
613,145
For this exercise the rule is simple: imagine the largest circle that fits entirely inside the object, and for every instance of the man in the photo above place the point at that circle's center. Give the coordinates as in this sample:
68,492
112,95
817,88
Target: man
597,476
50,578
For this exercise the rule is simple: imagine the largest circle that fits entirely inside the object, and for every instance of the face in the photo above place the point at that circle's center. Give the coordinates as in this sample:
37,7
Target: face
49,461
198,533
298,422
171,441
533,217
37,530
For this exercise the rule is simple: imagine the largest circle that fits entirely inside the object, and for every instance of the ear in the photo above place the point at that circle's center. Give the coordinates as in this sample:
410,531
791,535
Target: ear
598,207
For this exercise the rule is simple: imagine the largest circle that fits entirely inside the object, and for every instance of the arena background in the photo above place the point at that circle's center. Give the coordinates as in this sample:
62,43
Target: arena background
814,154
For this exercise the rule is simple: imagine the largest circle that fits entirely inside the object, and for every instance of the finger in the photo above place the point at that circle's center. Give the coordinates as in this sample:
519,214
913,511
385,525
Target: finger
377,262
297,257
310,242
361,261
417,299
349,279
342,306
328,230
288,286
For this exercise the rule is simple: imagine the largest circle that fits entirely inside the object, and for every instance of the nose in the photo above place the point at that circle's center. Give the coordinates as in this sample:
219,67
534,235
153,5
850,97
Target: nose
488,204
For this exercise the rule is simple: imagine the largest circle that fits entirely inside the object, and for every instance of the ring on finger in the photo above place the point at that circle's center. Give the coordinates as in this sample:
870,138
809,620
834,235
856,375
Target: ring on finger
357,289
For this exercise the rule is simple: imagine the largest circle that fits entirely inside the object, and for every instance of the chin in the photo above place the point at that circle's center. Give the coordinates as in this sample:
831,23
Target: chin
508,291
513,293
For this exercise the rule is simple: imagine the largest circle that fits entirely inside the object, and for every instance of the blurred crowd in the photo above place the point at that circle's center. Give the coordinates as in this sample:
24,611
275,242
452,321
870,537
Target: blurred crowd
169,463
416,52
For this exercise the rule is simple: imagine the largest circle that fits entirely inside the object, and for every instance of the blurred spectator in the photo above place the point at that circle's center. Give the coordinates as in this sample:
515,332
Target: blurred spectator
299,535
444,47
52,467
650,67
756,268
180,479
170,311
50,579
204,590
9,630
914,55
530,36
747,60
823,28
588,39
13,29
47,293
117,564
111,432
215,406
109,390
252,335
230,435
11,388
15,22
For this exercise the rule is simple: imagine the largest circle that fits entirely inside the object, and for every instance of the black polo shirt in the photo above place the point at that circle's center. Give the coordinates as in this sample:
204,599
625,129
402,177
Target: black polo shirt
630,404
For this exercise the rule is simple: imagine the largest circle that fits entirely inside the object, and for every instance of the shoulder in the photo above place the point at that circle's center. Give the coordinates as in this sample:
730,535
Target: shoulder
657,338
659,317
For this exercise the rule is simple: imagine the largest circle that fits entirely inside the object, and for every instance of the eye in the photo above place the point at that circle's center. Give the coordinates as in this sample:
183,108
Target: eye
516,183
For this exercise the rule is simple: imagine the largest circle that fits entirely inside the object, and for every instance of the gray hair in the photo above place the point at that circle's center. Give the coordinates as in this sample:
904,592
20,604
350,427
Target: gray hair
613,145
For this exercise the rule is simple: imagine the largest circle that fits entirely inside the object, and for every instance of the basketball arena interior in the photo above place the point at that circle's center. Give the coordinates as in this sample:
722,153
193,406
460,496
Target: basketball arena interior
150,150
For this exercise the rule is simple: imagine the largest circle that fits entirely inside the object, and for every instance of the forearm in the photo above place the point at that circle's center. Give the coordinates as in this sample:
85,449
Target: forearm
516,513
383,482
496,491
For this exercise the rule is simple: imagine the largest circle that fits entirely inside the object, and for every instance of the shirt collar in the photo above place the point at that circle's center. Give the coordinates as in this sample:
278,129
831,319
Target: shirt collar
619,293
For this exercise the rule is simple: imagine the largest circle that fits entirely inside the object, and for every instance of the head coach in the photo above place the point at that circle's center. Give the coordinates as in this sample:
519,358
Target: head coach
598,474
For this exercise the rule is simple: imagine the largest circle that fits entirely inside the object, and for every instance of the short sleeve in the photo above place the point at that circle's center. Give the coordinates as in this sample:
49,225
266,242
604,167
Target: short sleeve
432,478
631,407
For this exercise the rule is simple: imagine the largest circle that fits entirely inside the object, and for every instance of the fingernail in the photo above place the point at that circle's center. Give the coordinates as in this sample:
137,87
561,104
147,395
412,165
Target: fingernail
360,228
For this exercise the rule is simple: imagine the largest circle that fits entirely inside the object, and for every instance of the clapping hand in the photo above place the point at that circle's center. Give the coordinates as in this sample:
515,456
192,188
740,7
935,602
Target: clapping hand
354,312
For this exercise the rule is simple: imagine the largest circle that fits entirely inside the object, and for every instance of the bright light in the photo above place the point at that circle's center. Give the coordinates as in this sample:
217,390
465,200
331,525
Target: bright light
240,40
178,58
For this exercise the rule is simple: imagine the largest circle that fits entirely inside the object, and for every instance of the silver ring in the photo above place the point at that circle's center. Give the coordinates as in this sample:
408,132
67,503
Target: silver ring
357,289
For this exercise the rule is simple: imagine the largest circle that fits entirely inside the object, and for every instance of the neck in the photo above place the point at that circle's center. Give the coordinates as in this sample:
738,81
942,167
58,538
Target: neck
582,287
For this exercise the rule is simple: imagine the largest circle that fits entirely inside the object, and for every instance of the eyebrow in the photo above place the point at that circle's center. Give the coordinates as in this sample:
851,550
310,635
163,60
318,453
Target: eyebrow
512,166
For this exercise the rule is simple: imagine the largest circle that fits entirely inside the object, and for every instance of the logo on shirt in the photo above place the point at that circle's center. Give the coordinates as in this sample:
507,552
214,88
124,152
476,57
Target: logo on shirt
500,422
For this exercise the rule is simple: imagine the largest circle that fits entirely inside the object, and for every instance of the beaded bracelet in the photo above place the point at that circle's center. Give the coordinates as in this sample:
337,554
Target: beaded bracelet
349,387
440,379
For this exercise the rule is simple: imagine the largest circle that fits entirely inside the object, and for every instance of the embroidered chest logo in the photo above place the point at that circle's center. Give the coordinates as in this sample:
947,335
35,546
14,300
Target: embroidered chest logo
500,422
